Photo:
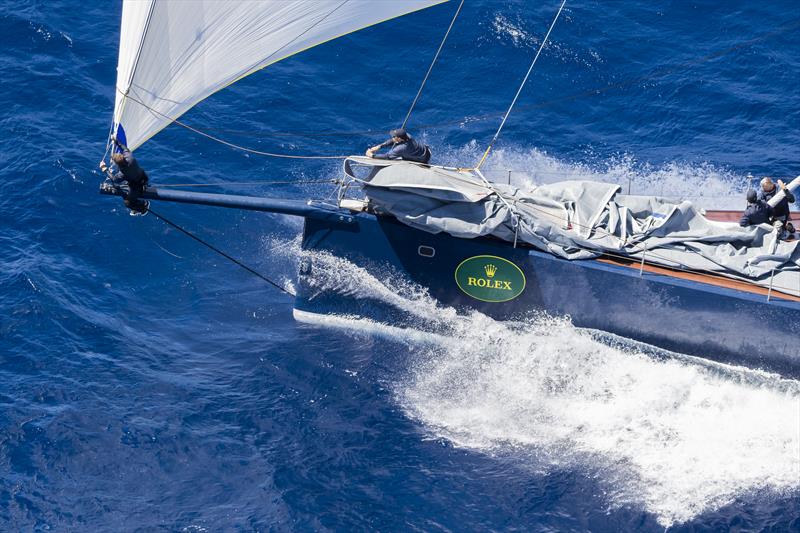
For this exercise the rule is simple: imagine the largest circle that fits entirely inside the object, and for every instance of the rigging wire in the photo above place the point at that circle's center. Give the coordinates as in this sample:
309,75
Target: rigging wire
126,94
430,68
230,144
678,266
661,72
108,142
220,252
656,73
524,81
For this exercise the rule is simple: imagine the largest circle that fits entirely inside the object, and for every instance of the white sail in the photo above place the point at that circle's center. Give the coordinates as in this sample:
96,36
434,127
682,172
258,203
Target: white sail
173,54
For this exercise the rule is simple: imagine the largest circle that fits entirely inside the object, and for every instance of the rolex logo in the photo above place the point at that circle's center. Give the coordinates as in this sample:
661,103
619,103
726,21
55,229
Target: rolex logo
489,278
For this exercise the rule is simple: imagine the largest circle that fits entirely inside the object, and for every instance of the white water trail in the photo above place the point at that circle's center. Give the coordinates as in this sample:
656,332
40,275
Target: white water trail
674,436
706,185
677,438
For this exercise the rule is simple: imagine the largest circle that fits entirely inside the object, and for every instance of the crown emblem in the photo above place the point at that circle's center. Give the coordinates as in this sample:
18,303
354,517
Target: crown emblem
490,270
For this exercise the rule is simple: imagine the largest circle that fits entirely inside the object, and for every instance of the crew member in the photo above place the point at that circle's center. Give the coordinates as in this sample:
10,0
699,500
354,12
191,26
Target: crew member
758,211
403,146
780,212
131,173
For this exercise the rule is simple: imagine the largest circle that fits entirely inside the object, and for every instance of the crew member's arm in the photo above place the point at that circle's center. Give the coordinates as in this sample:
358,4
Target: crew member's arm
120,145
125,152
117,177
745,220
371,151
786,192
104,169
397,152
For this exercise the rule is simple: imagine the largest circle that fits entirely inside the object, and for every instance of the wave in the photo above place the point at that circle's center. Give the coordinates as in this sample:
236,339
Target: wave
673,434
707,185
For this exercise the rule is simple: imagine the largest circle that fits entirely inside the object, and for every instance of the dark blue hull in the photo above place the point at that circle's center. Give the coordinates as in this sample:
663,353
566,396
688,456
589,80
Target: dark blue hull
679,315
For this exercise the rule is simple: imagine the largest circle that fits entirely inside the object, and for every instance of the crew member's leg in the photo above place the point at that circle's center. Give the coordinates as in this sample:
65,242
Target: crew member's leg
132,201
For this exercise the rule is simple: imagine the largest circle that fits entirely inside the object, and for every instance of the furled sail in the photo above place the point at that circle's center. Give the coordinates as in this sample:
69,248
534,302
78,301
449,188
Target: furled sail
174,54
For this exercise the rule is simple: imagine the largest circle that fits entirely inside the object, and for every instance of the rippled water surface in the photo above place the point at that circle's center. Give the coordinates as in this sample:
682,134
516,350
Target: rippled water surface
146,383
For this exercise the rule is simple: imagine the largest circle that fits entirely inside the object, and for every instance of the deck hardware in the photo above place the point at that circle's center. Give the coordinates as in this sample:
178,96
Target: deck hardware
426,251
641,265
771,277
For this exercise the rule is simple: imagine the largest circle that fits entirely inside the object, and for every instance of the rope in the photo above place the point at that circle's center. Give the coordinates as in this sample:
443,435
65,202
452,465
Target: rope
660,72
678,265
519,91
220,252
430,68
230,144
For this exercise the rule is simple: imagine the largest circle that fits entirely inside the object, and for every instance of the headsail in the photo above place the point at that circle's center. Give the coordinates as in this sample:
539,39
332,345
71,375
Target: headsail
173,55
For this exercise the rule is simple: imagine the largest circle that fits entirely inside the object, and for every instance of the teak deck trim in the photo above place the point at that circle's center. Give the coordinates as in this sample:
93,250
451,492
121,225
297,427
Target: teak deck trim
709,279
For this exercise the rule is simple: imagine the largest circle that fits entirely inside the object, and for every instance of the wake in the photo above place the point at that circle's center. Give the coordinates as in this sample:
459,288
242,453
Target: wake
673,434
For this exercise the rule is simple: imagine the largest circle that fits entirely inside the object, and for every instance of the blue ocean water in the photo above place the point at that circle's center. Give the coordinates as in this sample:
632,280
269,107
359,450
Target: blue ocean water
146,384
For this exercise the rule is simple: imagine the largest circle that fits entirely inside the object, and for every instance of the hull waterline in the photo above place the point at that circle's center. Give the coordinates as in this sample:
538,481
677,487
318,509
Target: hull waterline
682,315
725,321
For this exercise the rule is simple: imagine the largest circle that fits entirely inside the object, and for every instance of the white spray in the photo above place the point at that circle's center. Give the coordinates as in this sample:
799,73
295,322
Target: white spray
671,434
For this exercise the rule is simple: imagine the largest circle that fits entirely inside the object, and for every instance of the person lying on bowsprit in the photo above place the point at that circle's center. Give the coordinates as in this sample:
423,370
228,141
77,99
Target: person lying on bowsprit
131,173
403,147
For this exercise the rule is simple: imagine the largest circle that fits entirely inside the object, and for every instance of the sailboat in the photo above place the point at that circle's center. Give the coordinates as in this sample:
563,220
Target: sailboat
645,268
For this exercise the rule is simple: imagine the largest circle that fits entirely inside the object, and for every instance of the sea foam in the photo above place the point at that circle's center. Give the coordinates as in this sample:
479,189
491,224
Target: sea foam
675,435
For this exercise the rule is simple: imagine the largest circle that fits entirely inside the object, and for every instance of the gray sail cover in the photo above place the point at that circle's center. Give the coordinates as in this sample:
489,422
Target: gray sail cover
580,220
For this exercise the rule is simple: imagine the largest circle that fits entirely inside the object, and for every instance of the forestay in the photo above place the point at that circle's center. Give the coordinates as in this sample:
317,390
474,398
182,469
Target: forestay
579,220
174,54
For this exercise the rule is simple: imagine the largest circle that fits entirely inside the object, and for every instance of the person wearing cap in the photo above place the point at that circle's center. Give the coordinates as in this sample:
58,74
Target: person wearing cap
403,146
758,211
780,212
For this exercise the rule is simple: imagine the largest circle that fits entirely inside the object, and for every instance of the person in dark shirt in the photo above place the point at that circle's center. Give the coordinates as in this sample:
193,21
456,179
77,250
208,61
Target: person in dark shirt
131,173
758,211
403,146
780,212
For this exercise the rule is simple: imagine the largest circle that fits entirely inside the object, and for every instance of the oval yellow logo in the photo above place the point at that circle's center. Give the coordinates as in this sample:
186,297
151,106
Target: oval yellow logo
489,278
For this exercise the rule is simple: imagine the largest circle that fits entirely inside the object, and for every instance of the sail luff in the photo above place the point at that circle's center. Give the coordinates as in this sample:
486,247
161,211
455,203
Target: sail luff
195,48
132,34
